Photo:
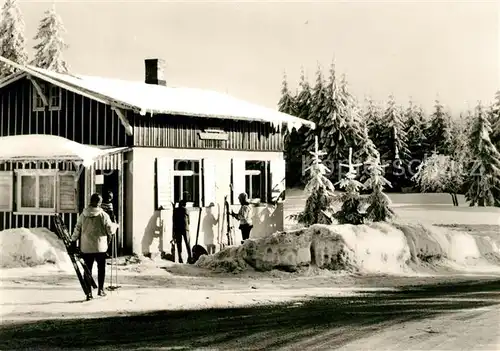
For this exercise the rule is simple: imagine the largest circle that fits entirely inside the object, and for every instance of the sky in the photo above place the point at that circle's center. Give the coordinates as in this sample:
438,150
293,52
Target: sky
423,50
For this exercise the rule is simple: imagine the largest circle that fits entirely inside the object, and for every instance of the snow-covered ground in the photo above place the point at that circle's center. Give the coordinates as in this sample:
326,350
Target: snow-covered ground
40,283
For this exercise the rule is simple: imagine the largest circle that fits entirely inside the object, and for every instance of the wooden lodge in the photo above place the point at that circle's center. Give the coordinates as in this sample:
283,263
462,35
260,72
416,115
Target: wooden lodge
168,143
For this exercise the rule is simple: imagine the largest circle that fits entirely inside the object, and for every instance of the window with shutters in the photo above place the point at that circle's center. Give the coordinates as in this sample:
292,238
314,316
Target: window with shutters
187,182
36,191
46,191
257,180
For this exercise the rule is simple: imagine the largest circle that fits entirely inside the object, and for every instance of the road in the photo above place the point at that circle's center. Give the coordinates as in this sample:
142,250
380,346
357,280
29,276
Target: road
456,316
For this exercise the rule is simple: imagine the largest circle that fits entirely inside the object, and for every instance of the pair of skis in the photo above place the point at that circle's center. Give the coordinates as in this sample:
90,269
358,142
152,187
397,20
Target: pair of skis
82,272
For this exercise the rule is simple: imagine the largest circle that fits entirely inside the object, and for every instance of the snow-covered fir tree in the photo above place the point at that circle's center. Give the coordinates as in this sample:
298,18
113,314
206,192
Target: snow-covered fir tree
303,110
318,111
495,121
483,176
12,39
293,139
320,190
379,205
440,173
354,130
333,123
416,127
439,131
393,146
350,210
373,119
50,47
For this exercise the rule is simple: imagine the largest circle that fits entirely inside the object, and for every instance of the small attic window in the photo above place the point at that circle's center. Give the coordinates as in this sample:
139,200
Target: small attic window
53,97
37,100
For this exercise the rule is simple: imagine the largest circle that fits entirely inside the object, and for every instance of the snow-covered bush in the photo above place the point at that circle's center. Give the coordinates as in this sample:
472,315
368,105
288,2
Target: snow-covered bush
440,173
351,200
378,203
321,193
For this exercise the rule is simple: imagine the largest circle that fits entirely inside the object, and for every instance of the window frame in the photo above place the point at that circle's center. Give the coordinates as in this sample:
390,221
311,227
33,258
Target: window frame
51,95
188,173
37,173
54,91
37,98
262,174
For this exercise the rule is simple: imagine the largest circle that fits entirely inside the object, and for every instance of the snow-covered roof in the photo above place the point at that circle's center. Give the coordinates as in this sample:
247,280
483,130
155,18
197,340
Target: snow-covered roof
158,99
50,147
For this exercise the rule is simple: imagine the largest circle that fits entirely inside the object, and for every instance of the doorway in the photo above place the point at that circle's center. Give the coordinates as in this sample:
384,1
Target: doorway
109,180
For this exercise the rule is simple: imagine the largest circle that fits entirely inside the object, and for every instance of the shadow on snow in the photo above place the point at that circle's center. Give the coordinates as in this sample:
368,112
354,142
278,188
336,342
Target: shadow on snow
261,327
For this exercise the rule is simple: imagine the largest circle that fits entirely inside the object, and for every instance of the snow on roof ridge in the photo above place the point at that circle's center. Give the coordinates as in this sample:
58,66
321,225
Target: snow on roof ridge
159,99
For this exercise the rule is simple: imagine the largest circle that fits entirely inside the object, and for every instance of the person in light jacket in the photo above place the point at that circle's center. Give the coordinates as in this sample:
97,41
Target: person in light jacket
244,215
93,229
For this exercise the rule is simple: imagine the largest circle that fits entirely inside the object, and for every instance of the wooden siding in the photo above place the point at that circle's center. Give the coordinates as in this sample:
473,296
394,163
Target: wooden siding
182,132
9,220
79,119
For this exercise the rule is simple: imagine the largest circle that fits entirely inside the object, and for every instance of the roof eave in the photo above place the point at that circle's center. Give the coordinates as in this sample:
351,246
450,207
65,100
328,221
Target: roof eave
14,77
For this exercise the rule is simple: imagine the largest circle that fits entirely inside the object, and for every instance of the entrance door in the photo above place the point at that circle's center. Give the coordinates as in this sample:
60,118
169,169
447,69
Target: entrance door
110,181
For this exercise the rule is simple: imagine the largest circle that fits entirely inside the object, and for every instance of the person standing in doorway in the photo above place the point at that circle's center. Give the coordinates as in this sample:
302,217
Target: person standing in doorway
181,229
244,216
93,229
107,206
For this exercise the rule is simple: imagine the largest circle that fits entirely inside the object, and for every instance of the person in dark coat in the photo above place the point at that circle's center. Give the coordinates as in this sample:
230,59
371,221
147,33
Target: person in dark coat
107,206
244,215
181,229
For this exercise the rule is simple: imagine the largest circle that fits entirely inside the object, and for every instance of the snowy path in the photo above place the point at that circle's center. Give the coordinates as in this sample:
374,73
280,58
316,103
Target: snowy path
417,318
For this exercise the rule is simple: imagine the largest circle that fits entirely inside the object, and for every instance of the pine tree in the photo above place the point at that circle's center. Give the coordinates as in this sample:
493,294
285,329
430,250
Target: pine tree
439,131
416,127
354,130
303,110
49,50
333,123
350,211
495,121
379,209
483,177
372,117
318,111
319,204
293,139
12,40
287,101
393,148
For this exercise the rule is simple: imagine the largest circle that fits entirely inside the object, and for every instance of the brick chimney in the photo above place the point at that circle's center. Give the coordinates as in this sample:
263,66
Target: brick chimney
155,71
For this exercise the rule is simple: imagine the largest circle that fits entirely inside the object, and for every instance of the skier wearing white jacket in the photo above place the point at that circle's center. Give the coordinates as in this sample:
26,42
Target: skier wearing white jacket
93,228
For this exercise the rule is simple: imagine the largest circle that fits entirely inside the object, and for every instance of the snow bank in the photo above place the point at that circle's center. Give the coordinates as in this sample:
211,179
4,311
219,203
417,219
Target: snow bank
284,250
32,247
388,248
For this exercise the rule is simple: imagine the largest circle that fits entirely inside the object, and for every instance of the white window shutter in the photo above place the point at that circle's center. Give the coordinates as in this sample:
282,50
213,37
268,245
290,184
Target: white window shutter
210,180
67,192
278,183
6,191
164,182
238,177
